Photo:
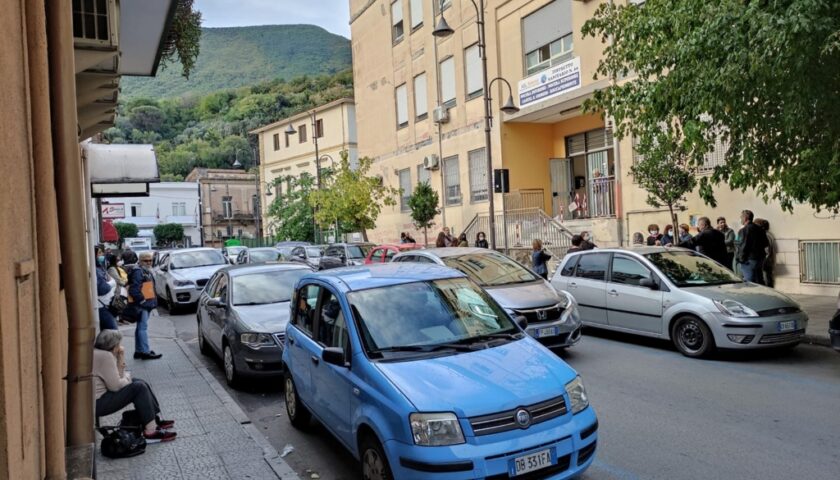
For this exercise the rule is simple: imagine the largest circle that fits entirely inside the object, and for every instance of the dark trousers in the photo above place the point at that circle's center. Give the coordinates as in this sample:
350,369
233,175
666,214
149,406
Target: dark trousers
137,392
730,261
751,271
769,277
106,319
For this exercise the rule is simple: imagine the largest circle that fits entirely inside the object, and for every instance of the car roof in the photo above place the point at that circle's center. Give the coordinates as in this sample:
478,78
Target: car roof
384,275
292,244
641,250
235,270
194,249
349,244
264,248
451,251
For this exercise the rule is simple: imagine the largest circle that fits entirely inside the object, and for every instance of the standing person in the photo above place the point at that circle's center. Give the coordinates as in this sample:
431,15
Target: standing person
462,240
481,241
106,288
402,238
115,271
684,233
667,236
654,235
539,259
142,300
586,241
753,249
450,240
441,240
729,236
770,261
638,239
409,238
577,244
709,242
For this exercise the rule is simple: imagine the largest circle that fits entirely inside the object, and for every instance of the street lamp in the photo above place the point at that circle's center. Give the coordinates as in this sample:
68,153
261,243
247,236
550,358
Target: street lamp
443,30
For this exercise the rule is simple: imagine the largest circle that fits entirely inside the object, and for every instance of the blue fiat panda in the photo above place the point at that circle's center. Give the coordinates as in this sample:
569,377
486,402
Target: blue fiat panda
420,374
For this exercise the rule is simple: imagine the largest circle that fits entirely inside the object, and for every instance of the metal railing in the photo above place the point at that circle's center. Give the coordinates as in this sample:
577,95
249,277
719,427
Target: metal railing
517,229
602,197
525,199
819,261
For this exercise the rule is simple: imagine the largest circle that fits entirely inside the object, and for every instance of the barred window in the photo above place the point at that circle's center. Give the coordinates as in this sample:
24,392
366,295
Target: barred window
405,185
478,175
716,157
423,174
452,180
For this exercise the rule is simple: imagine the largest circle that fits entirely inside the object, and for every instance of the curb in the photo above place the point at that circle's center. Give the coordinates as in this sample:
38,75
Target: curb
270,454
819,340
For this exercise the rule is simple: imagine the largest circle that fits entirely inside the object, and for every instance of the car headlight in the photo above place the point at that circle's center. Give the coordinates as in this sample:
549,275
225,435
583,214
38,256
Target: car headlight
577,395
257,340
182,283
435,429
735,309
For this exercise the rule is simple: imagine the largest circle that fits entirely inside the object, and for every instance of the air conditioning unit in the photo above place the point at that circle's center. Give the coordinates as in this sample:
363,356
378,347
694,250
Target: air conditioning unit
441,114
431,162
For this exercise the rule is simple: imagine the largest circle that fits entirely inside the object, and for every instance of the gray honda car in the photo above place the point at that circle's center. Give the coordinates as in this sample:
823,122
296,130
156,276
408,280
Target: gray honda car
678,295
552,314
242,317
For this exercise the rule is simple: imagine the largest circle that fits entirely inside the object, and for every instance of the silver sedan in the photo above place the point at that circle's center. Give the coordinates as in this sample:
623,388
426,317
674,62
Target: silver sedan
679,295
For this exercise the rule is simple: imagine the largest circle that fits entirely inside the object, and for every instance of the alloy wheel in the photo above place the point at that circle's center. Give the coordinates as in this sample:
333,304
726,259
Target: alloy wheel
230,371
372,466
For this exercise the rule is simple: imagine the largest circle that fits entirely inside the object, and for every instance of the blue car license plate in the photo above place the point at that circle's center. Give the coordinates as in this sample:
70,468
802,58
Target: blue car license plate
531,462
787,326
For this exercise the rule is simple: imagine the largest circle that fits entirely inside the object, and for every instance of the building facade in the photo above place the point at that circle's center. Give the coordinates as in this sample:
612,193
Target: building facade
296,144
565,167
228,205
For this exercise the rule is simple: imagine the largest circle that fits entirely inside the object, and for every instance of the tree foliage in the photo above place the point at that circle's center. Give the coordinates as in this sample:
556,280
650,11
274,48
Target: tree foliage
290,214
763,75
184,39
351,198
126,230
424,207
168,234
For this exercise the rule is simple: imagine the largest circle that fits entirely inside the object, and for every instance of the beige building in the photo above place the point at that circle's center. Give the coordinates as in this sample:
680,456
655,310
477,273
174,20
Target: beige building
296,144
228,200
567,172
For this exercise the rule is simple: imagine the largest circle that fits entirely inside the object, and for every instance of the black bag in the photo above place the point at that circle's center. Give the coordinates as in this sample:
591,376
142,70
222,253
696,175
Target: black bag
119,442
118,304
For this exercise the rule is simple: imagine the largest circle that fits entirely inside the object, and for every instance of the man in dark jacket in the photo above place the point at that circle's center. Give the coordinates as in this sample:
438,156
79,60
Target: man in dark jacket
142,300
709,242
753,249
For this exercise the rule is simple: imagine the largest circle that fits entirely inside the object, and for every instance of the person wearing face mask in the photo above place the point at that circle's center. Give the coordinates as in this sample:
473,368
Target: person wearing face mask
667,236
481,241
654,235
586,241
141,301
105,289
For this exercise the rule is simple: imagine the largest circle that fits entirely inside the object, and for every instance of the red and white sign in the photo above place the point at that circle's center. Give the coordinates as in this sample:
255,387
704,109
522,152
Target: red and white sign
113,210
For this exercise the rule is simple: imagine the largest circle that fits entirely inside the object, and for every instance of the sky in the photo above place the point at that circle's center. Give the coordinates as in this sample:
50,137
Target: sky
333,15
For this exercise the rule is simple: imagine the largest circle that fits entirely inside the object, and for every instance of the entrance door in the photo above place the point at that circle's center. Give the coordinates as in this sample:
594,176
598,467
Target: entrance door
561,185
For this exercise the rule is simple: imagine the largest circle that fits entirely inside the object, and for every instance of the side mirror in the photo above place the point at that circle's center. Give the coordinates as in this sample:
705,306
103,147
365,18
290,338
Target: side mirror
649,283
215,302
521,321
334,356
164,268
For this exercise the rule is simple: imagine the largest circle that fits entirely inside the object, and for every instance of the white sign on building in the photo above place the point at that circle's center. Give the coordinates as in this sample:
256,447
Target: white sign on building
550,83
113,210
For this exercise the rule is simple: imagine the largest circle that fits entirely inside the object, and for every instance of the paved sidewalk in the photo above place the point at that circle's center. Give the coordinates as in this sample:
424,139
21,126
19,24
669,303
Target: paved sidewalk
215,438
820,309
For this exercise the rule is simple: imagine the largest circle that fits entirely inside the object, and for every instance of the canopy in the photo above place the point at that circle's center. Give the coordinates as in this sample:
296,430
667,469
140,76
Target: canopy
118,170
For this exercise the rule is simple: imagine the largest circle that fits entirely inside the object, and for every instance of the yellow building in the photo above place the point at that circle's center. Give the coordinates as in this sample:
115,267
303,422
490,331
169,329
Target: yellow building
295,145
567,172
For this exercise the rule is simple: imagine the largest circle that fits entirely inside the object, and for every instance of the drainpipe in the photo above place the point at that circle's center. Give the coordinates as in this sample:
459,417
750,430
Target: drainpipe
46,224
617,164
73,239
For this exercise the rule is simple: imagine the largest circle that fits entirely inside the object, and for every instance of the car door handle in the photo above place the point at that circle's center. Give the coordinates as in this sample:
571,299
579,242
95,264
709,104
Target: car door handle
315,359
613,293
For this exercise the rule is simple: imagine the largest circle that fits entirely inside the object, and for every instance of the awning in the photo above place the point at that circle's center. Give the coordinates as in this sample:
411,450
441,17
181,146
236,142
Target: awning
109,232
118,170
143,28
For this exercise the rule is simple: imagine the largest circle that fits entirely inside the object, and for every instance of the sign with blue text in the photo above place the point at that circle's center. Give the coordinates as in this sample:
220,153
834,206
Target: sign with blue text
550,83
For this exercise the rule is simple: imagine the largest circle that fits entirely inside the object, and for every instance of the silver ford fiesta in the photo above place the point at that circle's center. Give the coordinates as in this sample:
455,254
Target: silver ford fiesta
680,295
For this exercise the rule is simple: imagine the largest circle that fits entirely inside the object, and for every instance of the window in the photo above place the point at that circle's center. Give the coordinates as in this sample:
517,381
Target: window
441,5
402,106
307,300
716,157
416,7
447,81
405,186
397,28
319,128
229,231
569,267
277,142
423,175
378,255
302,134
389,254
593,266
475,80
90,19
227,207
332,328
135,210
179,209
547,36
452,180
628,271
478,175
287,140
220,289
421,104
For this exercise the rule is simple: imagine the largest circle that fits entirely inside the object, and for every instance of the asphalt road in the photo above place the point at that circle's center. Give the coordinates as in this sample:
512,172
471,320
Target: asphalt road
756,415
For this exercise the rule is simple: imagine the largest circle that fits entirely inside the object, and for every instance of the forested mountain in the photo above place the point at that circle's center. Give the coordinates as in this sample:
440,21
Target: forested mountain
241,56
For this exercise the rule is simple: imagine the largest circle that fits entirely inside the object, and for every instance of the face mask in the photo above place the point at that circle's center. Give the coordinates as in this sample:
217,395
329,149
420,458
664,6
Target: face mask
120,263
481,237
586,237
101,259
654,232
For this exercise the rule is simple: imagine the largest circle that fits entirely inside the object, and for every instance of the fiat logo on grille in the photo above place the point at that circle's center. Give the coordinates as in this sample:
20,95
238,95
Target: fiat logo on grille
523,418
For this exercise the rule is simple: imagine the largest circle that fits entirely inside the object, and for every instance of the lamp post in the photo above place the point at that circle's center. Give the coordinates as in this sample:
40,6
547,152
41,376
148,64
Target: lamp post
443,30
290,130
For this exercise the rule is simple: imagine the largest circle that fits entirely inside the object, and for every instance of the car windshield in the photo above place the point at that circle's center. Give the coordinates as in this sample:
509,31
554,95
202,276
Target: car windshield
490,269
313,252
258,256
357,251
690,269
266,287
427,314
197,259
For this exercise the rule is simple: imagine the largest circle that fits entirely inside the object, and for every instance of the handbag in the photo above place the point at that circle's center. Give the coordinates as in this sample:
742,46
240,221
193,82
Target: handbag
118,304
120,442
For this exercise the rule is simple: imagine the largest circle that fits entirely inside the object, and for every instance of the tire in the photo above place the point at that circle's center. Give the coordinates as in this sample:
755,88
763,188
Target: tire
692,337
231,375
170,303
299,415
203,347
373,460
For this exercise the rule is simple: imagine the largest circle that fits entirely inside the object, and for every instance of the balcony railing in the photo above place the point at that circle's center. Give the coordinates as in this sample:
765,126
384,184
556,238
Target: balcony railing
602,197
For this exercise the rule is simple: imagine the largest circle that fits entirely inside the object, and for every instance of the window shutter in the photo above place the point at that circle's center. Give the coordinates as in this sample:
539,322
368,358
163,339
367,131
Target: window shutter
472,59
402,105
447,79
421,105
416,13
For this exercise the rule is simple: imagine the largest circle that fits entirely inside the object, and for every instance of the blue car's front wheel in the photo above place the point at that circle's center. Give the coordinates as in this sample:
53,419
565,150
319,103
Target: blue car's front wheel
374,462
297,412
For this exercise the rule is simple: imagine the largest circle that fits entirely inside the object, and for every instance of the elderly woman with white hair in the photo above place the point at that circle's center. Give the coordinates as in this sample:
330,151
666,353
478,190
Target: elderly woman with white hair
115,388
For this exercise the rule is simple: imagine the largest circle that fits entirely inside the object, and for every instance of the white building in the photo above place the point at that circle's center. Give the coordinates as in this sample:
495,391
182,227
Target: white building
168,202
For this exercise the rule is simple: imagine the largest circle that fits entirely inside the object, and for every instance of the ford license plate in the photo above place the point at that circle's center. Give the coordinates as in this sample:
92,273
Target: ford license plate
531,462
546,332
787,326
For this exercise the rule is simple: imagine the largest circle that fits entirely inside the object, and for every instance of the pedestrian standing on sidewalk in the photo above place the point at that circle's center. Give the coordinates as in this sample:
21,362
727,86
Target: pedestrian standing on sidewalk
142,300
441,240
654,235
586,241
638,239
684,233
667,236
709,242
106,288
449,240
577,244
752,249
115,389
462,240
539,259
769,265
481,240
729,237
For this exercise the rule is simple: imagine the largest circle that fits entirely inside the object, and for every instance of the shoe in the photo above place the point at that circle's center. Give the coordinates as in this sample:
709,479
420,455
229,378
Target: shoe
160,436
150,355
164,424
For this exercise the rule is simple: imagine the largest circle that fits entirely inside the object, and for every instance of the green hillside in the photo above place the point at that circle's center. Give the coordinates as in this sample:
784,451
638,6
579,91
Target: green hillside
241,56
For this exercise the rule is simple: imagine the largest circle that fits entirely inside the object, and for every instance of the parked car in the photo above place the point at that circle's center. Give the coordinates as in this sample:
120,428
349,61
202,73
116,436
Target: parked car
287,247
834,328
182,274
421,374
385,253
259,255
349,253
678,295
310,254
242,316
552,314
231,253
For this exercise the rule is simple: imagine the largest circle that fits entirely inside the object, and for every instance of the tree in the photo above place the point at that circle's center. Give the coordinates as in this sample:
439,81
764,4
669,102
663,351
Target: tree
290,213
352,198
169,234
146,118
763,75
125,230
184,37
424,207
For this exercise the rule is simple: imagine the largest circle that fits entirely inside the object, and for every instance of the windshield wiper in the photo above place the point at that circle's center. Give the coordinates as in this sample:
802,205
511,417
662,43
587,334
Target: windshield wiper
492,336
427,348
